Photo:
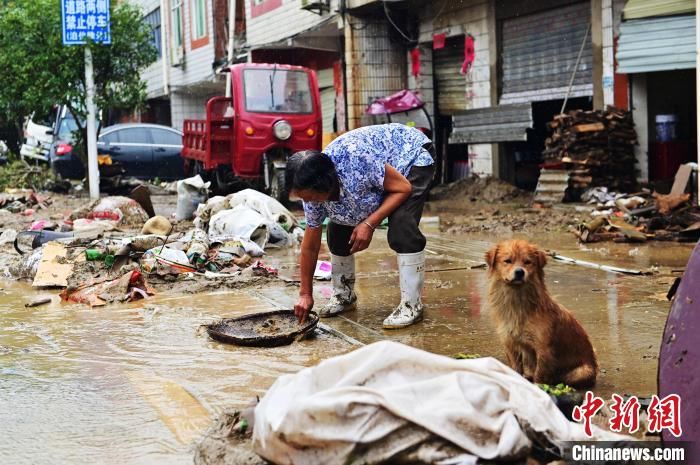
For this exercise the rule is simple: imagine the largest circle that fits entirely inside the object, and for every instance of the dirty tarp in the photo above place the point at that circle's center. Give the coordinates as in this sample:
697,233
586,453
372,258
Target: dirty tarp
381,400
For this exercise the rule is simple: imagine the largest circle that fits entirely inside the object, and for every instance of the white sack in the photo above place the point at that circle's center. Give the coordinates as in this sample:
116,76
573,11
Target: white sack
395,396
240,222
190,193
265,205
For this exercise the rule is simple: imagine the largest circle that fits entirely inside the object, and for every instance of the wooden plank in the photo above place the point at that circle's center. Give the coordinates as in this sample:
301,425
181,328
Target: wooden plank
680,183
51,272
590,127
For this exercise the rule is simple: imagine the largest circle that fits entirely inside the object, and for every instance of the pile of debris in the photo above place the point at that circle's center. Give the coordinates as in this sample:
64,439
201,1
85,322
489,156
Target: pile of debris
24,201
107,250
643,215
596,147
475,188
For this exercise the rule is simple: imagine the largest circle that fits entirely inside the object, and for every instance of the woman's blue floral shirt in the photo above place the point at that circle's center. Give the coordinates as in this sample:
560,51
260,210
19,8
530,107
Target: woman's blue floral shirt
360,157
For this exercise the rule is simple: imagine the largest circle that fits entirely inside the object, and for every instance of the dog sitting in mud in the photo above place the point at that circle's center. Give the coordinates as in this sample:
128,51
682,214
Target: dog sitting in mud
543,340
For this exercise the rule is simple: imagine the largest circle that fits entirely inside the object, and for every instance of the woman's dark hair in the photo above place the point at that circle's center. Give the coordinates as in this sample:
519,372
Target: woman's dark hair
311,170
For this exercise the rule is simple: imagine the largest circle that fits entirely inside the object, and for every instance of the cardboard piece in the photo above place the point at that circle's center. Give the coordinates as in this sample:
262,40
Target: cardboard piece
51,272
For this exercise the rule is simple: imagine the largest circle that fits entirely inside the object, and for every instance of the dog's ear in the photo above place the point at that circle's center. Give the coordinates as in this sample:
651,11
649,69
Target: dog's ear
541,258
490,257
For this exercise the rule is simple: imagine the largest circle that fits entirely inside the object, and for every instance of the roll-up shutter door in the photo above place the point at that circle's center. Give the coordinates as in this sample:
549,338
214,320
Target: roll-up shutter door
451,85
327,91
539,53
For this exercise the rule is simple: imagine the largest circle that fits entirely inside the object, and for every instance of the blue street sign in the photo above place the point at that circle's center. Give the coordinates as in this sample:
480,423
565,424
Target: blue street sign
83,19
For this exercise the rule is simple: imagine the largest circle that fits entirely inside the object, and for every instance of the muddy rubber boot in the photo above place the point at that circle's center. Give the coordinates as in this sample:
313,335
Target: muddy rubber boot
343,279
411,277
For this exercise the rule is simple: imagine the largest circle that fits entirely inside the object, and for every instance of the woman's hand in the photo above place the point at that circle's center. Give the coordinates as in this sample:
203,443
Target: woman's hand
303,306
361,237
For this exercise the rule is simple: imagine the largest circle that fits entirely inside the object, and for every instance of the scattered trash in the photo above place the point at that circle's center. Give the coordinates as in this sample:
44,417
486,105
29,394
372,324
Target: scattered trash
597,266
29,265
53,270
260,269
258,218
190,193
323,270
90,226
131,286
142,195
41,225
38,301
240,222
166,260
8,236
665,204
197,248
120,211
157,225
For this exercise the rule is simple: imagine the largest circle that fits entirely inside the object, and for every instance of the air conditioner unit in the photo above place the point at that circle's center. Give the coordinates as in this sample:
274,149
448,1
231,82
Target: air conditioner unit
178,56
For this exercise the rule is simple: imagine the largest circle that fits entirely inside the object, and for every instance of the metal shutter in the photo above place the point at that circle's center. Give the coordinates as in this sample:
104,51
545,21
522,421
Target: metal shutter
451,85
539,53
325,84
658,44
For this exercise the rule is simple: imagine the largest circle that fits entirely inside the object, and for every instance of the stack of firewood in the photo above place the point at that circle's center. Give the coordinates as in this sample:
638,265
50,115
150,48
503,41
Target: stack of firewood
597,147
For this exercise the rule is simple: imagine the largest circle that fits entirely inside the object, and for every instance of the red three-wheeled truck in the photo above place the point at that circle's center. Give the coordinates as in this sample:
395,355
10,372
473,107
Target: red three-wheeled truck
274,110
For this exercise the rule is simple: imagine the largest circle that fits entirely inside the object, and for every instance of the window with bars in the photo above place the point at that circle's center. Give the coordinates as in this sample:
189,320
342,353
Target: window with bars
153,20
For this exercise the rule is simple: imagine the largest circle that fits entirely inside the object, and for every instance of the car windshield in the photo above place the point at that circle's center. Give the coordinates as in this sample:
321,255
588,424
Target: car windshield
277,91
67,126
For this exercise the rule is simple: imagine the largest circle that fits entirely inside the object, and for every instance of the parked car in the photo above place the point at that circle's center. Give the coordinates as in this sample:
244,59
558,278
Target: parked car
144,151
38,136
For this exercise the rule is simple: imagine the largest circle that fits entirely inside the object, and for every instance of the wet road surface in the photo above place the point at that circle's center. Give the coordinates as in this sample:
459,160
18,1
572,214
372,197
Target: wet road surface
137,383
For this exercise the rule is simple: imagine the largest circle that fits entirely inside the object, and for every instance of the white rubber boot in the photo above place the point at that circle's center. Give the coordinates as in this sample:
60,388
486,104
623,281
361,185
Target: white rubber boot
411,277
343,279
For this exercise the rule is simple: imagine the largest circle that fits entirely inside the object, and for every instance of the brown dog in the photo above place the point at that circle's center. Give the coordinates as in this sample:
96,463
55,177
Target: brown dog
543,340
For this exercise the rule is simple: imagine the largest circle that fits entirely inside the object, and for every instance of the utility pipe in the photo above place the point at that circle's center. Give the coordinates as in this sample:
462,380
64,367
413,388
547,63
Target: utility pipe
231,40
165,44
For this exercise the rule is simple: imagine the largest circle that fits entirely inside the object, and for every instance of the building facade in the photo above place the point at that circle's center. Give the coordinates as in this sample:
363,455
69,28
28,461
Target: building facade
191,37
492,73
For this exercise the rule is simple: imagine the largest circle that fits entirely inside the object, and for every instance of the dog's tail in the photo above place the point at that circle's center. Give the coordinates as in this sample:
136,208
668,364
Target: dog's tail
582,376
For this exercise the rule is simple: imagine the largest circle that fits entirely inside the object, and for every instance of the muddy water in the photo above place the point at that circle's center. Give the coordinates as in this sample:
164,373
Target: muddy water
131,384
624,315
137,384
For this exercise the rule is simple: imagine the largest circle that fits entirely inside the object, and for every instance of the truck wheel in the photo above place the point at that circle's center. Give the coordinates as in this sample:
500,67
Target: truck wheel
277,188
198,169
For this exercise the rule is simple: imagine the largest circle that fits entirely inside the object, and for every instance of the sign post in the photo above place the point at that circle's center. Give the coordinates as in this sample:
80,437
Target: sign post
83,20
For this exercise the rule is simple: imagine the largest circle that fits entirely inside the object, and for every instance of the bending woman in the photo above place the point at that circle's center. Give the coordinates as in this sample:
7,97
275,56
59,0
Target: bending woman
363,177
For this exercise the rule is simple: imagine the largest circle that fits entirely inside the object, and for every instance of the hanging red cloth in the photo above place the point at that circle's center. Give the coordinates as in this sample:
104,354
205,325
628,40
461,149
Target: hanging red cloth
468,54
415,62
439,41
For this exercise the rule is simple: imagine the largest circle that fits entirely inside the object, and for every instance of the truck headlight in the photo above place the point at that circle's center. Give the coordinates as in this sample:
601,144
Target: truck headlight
282,130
